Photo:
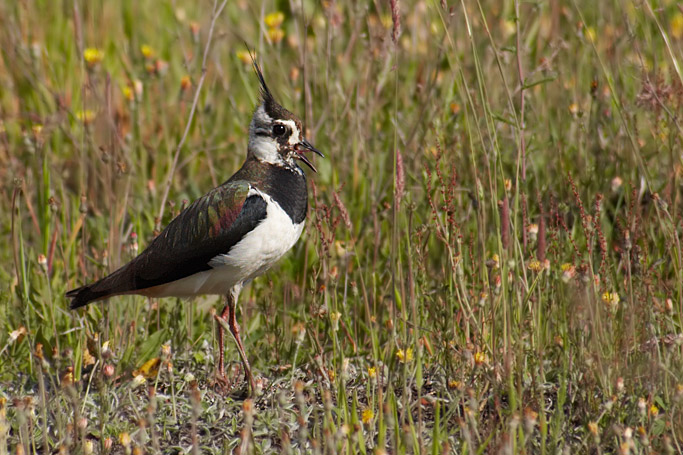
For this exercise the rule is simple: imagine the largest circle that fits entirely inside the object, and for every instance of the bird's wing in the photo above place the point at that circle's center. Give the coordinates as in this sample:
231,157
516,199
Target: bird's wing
210,226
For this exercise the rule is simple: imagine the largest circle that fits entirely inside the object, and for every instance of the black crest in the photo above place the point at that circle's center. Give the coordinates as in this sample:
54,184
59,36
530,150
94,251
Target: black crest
265,92
271,106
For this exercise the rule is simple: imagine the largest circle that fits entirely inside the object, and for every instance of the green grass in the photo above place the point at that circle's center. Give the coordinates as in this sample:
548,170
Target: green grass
513,283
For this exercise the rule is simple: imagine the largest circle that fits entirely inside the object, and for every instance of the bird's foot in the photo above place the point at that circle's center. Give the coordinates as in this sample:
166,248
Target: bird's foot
219,382
235,383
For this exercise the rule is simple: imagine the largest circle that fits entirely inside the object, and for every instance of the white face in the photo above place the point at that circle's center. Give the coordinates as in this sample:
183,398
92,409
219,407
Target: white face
294,137
265,145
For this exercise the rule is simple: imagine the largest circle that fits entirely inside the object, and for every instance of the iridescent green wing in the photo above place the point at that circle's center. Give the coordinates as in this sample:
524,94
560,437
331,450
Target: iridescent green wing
210,226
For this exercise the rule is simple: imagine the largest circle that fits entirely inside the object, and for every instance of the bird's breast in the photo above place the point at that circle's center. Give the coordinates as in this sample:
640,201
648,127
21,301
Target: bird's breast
259,249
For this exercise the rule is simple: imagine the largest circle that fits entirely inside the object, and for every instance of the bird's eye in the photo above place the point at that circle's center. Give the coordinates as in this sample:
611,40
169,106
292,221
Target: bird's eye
279,130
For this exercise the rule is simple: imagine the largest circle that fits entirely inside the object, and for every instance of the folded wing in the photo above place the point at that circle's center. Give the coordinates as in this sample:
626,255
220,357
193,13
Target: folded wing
210,226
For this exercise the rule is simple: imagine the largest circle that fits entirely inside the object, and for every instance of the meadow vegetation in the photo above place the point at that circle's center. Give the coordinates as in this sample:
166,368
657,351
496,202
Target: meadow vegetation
492,261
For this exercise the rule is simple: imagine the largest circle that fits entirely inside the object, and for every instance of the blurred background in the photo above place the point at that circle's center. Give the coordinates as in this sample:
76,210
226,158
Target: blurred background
492,259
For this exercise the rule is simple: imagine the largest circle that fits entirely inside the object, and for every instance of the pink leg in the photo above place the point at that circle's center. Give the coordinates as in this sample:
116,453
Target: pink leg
221,347
231,312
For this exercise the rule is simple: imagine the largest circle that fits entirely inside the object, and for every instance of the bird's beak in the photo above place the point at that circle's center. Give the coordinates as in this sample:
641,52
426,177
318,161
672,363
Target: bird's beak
305,146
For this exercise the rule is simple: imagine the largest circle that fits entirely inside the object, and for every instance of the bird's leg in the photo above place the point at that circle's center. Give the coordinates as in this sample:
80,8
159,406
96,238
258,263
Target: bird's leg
221,347
229,315
235,330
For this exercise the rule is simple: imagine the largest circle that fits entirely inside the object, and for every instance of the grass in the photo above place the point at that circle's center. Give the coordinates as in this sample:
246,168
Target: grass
492,261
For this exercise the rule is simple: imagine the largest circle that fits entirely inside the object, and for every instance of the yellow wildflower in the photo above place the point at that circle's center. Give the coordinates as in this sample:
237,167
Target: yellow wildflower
654,410
147,51
372,372
106,350
610,298
93,56
87,116
480,358
340,248
274,19
454,384
67,378
367,415
276,34
590,34
495,261
593,428
185,83
88,358
574,109
508,27
132,90
535,265
125,440
128,93
244,57
676,24
405,355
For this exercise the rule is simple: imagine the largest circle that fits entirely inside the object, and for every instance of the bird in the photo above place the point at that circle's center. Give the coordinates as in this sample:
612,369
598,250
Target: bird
233,233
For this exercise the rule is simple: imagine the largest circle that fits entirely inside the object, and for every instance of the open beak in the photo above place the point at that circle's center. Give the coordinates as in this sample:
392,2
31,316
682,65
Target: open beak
304,146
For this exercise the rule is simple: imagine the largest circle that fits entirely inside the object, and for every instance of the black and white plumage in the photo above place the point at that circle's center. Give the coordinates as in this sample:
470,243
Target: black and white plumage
232,234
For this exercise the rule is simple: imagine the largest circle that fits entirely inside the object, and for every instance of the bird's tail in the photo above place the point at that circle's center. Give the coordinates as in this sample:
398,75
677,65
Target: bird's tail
108,286
84,295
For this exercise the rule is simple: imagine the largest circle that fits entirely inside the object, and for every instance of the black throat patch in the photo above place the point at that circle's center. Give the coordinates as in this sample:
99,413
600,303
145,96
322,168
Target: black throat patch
288,188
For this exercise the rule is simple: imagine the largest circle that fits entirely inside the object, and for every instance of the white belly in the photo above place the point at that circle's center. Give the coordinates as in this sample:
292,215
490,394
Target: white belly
247,259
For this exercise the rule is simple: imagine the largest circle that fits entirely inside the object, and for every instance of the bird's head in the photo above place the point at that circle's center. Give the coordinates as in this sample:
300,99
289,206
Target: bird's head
275,134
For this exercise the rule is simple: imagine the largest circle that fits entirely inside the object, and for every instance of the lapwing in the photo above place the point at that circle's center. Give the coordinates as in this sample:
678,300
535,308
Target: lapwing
232,234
